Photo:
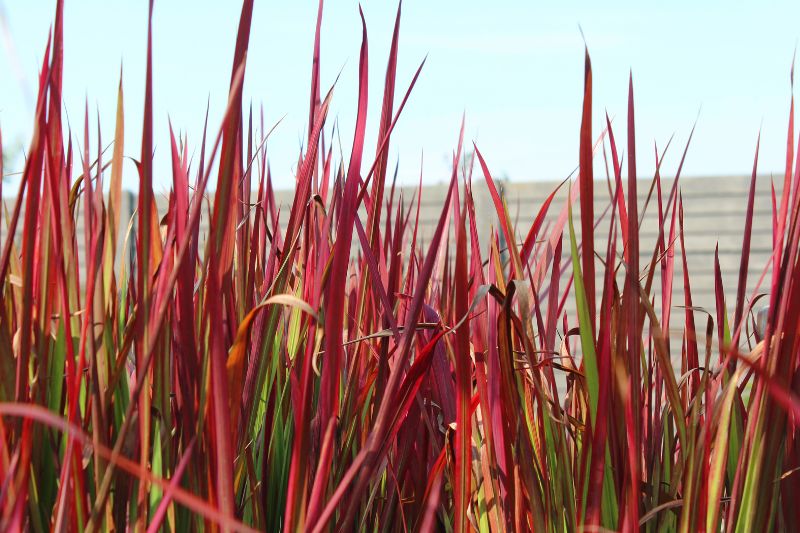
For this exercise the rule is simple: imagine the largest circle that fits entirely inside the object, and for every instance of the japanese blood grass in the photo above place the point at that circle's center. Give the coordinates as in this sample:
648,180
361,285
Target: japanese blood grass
269,379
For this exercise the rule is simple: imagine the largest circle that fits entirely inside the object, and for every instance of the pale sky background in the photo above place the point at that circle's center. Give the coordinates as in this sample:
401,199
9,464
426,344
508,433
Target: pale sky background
515,69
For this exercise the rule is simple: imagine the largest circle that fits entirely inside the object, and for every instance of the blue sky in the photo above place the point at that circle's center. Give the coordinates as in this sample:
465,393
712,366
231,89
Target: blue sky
515,69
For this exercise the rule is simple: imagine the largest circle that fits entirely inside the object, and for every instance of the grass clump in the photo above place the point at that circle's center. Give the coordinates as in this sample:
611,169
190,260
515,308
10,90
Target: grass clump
264,377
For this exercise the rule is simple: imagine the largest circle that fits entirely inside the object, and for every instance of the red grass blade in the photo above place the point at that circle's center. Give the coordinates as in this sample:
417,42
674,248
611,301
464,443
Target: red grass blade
745,261
463,364
516,263
632,302
586,178
218,280
329,385
315,84
144,253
